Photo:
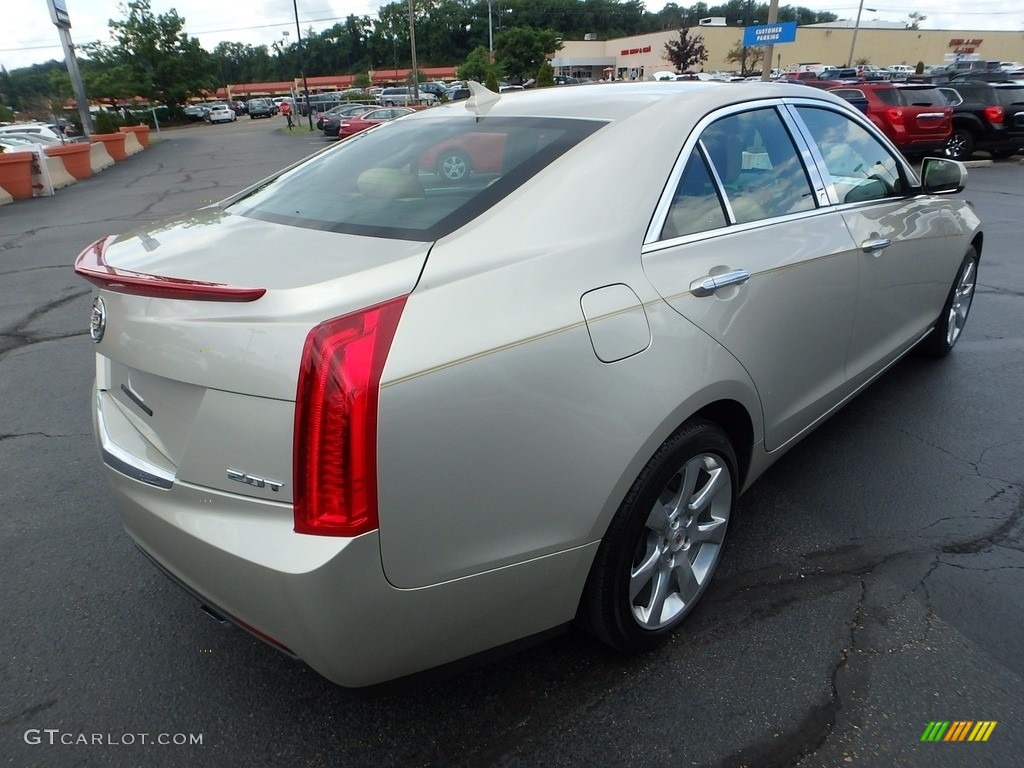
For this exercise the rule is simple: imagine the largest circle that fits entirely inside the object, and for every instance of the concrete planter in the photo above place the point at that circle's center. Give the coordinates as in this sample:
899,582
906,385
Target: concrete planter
16,174
114,142
141,133
76,158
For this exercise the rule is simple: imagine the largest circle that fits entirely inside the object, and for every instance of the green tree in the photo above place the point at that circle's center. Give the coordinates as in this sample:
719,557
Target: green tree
519,51
686,51
155,57
545,75
491,83
420,78
476,66
108,82
915,19
748,57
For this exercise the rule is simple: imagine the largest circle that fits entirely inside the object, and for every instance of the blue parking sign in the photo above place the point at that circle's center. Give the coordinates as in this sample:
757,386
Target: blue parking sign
770,34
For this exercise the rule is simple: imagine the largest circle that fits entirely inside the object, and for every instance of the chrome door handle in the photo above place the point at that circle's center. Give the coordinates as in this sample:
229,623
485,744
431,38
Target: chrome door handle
874,246
706,286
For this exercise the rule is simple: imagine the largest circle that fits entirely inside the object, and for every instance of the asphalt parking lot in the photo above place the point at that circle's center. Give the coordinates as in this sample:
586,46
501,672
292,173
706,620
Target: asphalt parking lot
872,582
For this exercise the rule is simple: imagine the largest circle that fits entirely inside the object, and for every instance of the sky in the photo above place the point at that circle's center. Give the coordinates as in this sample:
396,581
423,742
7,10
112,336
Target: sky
29,37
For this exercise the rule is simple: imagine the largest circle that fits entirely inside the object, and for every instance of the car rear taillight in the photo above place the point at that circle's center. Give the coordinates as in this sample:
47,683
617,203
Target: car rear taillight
994,114
334,455
895,115
92,265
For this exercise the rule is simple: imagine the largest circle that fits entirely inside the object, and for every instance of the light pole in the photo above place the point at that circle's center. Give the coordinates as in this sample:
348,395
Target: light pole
856,27
490,31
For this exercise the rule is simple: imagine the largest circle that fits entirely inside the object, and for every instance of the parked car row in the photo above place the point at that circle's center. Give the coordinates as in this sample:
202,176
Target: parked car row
955,119
36,133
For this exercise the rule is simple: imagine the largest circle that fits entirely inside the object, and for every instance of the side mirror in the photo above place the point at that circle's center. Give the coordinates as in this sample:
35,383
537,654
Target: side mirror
941,176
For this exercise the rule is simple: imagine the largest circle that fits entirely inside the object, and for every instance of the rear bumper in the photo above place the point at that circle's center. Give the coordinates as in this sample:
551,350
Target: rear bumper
326,599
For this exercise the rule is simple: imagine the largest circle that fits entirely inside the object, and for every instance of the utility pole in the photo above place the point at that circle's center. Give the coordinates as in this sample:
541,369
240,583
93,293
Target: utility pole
412,44
769,51
856,28
302,66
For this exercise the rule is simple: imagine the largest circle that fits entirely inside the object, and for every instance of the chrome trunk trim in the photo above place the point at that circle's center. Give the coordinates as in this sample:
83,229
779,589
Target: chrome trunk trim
121,461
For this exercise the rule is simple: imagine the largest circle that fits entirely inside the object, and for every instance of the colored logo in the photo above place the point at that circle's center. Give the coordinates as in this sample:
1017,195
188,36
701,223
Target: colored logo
958,730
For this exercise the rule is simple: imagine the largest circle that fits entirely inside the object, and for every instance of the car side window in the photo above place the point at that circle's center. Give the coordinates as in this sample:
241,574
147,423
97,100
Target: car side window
861,167
696,206
760,169
952,97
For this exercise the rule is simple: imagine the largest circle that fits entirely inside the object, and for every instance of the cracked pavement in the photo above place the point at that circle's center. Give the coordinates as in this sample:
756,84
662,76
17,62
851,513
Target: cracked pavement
872,580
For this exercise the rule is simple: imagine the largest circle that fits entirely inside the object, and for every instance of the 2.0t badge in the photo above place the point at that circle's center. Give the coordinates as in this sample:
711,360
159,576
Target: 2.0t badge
98,320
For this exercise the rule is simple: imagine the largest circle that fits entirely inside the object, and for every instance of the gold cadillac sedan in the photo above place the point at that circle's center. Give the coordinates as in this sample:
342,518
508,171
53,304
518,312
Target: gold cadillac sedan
428,414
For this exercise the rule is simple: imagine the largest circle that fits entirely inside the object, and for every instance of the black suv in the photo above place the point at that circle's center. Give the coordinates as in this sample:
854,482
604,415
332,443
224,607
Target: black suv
990,116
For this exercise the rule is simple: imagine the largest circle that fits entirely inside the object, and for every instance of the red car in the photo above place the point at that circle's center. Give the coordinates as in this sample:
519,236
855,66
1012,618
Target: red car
369,119
471,153
916,118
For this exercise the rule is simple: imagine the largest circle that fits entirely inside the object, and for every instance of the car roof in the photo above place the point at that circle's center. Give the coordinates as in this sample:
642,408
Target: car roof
618,101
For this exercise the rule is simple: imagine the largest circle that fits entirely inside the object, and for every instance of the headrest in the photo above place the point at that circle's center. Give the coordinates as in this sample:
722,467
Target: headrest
389,184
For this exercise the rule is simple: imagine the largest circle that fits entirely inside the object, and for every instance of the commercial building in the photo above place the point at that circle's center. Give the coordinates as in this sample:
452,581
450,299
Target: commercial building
877,43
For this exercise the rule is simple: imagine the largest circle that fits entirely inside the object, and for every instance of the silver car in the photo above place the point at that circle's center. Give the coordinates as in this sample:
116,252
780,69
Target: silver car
464,412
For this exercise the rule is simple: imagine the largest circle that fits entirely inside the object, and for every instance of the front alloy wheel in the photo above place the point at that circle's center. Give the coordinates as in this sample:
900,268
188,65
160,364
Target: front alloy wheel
951,322
665,541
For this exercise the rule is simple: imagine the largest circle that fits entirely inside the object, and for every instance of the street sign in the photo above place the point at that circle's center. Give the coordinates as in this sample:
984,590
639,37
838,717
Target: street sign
59,13
770,34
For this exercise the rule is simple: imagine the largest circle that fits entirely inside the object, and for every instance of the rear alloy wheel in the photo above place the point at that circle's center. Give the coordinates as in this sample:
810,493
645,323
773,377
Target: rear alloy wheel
454,166
951,322
960,145
665,541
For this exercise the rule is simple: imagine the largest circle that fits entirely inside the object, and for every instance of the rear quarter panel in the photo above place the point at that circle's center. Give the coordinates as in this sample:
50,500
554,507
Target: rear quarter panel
502,436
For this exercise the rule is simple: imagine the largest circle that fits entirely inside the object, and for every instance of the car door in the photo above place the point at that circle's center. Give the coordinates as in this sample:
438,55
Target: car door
895,231
745,246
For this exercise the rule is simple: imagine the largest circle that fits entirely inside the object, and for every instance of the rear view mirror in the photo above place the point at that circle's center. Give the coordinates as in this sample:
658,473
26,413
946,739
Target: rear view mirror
940,176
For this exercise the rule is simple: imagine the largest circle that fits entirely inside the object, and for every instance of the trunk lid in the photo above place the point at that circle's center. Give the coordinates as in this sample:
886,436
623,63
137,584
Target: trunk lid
196,388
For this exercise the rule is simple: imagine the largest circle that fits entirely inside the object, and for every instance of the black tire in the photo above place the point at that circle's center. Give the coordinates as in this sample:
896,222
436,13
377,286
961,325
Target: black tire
949,327
454,165
961,144
619,607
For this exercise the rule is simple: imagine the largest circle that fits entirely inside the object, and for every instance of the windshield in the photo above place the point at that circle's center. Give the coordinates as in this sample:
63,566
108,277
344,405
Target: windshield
414,179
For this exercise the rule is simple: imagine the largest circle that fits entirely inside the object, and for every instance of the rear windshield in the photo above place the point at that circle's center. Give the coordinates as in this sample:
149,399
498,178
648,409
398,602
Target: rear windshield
1009,95
888,96
414,179
922,97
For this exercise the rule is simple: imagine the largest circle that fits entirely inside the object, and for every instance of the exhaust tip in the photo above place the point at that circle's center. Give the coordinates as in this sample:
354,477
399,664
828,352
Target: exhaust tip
222,620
